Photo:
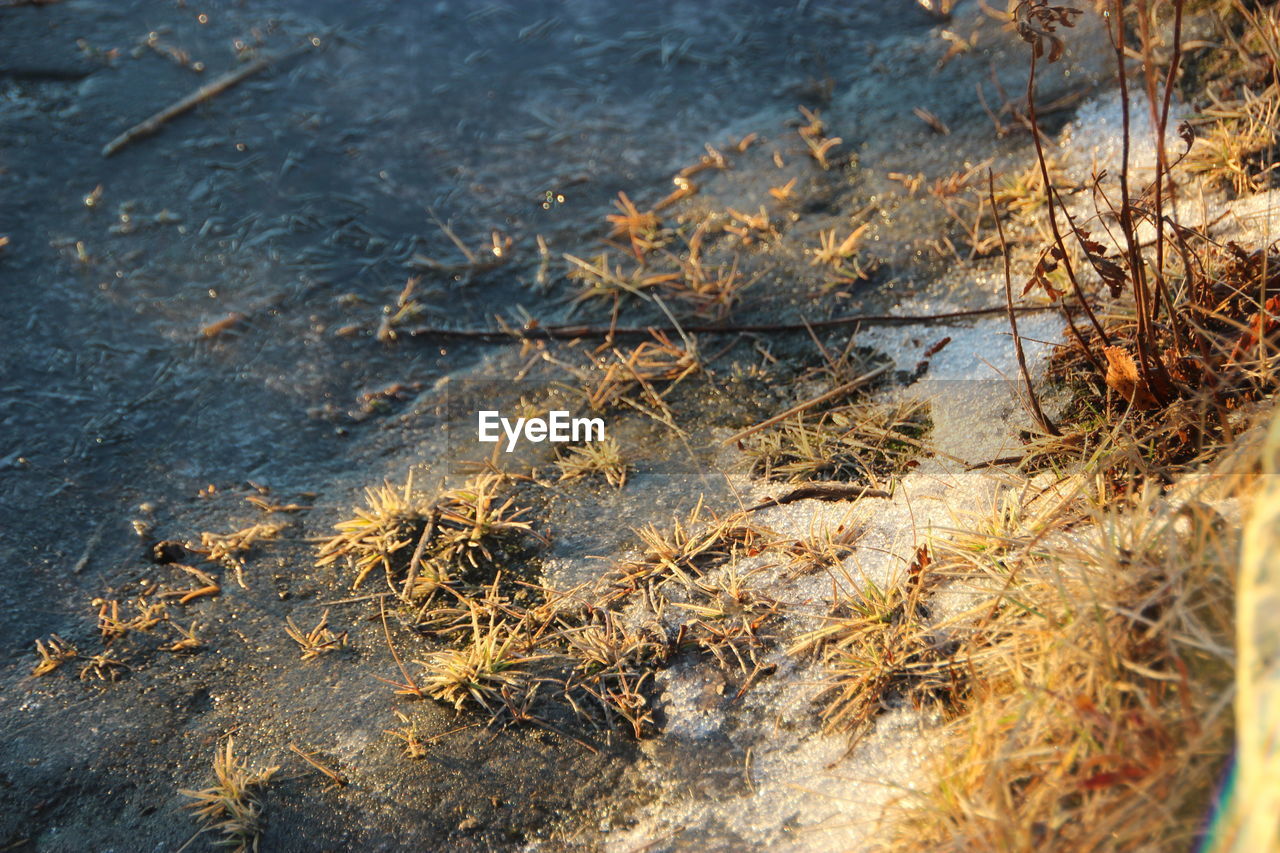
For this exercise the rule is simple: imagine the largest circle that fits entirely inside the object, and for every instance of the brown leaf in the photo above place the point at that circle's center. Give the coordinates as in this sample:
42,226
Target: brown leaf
1188,134
1040,277
1037,22
1124,379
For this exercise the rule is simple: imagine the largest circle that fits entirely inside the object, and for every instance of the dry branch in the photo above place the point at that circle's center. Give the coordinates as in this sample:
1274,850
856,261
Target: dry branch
544,333
199,96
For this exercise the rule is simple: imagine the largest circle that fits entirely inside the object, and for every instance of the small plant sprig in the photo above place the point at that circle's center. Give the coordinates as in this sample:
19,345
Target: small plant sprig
642,229
53,654
603,458
230,807
318,641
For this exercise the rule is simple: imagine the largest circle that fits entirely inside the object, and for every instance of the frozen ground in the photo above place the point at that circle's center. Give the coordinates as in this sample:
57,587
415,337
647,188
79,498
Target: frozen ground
295,201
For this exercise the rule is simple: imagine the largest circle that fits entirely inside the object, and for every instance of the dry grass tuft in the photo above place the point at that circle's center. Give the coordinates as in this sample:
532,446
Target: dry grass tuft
814,134
643,368
390,521
601,281
842,256
728,615
488,671
421,544
688,549
408,733
229,806
1099,677
112,626
877,646
859,442
473,519
603,458
318,641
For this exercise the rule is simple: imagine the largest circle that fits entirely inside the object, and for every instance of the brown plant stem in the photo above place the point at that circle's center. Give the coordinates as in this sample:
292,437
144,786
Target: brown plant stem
1049,200
1155,380
1044,422
572,332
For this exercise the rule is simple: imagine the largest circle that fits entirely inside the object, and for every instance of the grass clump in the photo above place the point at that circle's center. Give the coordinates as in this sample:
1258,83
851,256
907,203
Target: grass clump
229,806
727,616
488,671
863,442
687,550
1099,678
390,522
877,646
596,458
420,544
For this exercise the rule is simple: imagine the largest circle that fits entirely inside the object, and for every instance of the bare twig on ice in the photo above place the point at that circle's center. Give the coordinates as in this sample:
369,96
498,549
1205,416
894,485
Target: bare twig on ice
199,96
534,333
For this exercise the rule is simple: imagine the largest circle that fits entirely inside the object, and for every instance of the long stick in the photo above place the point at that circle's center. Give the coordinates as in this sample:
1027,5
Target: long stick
822,492
810,403
537,333
204,93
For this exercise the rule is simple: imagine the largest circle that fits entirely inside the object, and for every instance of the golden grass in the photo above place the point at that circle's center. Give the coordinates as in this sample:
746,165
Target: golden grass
1097,676
595,458
877,645
1109,632
858,442
385,526
1238,133
599,280
419,543
103,667
643,368
683,552
229,807
487,671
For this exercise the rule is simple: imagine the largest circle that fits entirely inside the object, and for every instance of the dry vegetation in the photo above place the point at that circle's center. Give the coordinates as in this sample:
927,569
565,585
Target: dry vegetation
1098,657
855,442
1087,689
596,458
230,807
421,544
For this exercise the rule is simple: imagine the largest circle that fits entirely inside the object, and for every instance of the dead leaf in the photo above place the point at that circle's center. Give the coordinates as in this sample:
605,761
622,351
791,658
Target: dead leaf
1124,379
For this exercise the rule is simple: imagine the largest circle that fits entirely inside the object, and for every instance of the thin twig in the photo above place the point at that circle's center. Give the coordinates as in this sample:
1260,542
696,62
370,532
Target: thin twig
810,403
1045,424
338,778
409,684
536,333
822,492
199,96
427,533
